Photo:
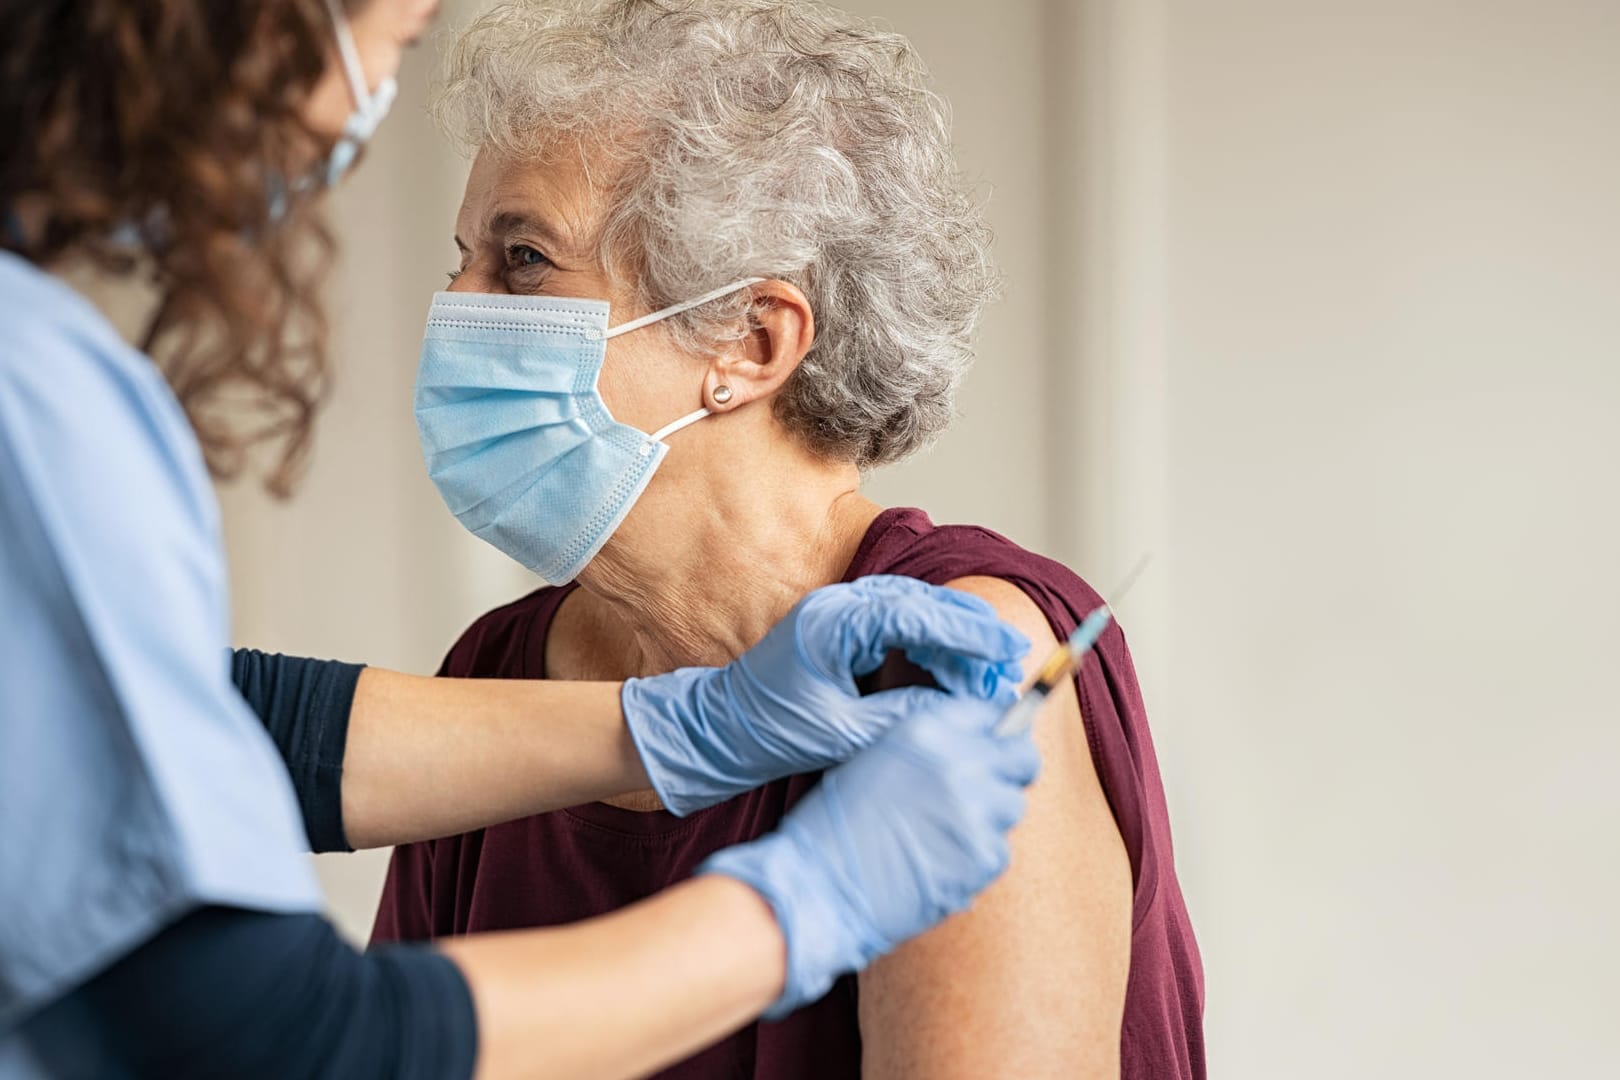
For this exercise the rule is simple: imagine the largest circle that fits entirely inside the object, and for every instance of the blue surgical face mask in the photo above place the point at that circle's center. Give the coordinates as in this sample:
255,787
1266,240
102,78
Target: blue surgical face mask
370,106
516,436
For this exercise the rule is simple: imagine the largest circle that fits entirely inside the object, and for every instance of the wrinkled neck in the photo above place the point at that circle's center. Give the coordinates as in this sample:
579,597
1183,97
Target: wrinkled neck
712,559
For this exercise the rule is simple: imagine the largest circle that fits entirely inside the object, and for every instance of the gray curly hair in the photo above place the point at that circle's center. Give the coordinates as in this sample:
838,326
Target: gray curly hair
758,138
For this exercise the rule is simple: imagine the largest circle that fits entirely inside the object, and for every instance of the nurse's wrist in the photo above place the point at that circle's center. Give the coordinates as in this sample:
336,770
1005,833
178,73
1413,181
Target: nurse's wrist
817,942
674,737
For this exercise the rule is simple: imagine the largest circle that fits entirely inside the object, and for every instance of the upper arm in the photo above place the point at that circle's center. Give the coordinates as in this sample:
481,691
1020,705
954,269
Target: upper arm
1029,982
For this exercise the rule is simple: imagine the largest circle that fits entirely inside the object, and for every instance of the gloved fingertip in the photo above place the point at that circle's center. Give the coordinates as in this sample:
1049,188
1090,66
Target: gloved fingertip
1003,861
1024,766
1007,673
1017,644
1000,686
994,688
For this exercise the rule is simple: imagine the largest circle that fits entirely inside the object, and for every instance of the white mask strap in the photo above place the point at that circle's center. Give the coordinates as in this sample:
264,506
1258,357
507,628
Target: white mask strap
676,309
684,422
352,69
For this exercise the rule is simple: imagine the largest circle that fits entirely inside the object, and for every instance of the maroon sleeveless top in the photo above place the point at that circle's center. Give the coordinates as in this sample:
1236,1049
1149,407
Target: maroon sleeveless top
572,864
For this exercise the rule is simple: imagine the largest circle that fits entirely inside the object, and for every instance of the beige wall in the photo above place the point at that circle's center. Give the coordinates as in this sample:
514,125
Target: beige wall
1319,301
1394,387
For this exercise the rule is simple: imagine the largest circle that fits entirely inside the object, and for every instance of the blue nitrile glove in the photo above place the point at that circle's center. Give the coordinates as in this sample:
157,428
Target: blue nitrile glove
789,705
889,843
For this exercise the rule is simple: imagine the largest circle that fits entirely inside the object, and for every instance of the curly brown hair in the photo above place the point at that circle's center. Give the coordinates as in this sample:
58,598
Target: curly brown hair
152,135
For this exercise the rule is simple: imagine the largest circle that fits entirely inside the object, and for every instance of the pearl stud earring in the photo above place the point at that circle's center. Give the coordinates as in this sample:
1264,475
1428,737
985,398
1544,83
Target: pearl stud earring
721,395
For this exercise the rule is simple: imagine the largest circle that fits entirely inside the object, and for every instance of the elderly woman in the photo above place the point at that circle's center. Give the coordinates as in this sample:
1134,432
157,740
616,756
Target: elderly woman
737,224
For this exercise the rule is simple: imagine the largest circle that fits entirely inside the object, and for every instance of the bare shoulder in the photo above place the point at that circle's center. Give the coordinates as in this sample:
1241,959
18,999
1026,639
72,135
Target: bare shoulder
1031,981
1015,606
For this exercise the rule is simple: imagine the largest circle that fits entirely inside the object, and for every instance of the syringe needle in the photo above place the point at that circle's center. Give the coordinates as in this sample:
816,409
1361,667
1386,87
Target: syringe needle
1129,580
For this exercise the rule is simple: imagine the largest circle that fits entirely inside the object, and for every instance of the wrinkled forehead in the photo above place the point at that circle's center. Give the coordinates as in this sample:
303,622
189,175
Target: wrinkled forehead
563,189
546,191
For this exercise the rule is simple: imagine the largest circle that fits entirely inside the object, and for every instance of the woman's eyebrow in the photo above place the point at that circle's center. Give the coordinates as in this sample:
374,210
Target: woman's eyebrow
510,221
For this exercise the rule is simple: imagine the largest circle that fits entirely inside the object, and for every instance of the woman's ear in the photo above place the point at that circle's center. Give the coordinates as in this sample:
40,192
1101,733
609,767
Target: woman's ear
755,367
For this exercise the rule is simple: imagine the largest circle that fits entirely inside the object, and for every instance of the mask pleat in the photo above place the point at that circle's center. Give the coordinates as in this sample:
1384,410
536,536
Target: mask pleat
503,415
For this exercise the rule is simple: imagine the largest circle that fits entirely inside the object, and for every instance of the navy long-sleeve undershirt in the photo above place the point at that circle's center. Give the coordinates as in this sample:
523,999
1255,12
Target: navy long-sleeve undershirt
304,704
260,996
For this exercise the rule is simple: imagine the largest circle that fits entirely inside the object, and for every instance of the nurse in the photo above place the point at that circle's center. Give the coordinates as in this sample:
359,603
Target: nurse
157,917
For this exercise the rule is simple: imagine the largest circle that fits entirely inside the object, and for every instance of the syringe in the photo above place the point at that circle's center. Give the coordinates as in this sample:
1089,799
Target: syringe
1065,660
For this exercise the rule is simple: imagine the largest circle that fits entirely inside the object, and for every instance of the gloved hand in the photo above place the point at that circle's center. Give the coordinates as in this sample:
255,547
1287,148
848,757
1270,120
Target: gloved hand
889,843
789,705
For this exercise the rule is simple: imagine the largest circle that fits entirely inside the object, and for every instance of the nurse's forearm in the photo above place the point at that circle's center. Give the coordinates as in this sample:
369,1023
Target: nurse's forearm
430,757
381,758
627,993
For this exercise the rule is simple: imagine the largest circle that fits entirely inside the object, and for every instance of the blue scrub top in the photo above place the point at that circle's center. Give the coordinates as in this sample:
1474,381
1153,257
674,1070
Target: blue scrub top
135,784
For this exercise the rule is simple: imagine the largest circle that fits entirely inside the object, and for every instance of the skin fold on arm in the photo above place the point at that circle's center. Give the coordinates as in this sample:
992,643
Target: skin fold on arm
1029,982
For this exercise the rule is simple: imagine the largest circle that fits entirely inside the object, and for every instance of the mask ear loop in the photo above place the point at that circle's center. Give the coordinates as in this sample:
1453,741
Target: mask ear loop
669,429
353,71
676,309
684,422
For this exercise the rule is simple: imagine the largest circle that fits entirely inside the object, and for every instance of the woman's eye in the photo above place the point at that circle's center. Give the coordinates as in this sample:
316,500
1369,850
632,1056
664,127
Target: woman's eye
522,256
453,274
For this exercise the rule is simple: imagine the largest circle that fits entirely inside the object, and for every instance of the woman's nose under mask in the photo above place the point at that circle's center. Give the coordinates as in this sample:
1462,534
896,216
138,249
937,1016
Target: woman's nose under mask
515,435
